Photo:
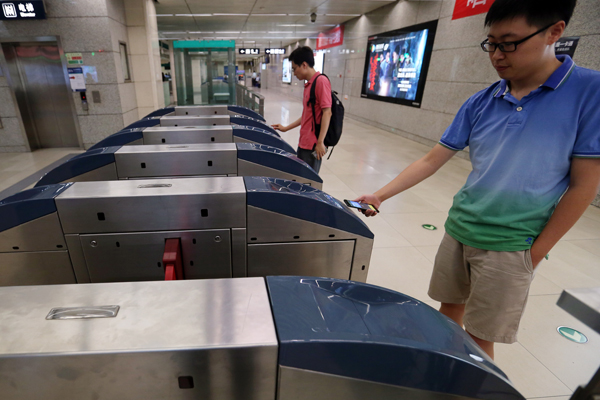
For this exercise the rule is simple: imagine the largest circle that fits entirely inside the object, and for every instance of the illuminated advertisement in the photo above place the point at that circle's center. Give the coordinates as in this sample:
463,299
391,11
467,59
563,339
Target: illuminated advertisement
287,71
396,64
319,61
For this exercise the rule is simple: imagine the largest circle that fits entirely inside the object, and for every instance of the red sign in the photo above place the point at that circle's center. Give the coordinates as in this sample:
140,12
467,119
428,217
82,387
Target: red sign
331,38
466,8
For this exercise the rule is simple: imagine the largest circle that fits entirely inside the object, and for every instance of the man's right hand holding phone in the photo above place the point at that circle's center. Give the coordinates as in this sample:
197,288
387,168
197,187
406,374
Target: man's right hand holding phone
369,199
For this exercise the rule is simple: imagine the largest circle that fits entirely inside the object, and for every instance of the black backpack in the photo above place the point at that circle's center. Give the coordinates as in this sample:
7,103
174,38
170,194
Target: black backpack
337,117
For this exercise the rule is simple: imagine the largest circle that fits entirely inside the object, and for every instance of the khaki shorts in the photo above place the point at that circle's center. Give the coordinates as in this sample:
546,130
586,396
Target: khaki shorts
493,285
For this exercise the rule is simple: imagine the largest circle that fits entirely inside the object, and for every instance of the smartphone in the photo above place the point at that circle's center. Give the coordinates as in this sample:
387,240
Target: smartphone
360,206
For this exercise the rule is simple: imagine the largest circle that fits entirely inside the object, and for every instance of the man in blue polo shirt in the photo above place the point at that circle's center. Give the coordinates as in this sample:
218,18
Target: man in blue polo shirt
534,140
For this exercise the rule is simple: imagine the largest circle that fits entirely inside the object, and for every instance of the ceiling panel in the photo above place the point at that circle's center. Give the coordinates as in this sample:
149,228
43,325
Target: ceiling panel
258,28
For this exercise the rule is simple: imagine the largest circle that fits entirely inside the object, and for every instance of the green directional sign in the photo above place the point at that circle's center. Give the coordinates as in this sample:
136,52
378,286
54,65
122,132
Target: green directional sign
429,227
572,334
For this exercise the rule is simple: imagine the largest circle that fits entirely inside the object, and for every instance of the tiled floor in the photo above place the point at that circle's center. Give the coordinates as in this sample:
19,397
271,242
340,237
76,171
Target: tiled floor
542,365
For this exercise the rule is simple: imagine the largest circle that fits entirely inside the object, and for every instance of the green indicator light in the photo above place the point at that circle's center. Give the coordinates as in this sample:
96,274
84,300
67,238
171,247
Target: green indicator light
429,227
572,334
93,53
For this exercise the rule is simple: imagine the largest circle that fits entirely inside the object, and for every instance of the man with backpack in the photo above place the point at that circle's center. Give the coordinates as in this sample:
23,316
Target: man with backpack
311,147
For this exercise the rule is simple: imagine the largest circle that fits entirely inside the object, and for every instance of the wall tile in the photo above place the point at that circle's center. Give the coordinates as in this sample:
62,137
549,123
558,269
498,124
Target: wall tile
135,13
138,40
109,96
82,34
428,11
97,127
118,33
468,64
7,104
143,111
130,117
79,8
144,94
464,32
448,97
12,133
128,97
587,54
13,149
116,10
447,8
140,68
585,20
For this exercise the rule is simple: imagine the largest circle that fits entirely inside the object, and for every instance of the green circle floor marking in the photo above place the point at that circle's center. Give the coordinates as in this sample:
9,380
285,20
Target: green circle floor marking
429,227
572,334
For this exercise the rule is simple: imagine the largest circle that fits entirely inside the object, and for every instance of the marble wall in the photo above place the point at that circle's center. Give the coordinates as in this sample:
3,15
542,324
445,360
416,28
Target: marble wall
458,67
94,28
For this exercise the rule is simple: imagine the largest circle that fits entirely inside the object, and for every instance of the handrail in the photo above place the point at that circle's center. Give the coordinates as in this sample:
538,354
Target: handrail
252,100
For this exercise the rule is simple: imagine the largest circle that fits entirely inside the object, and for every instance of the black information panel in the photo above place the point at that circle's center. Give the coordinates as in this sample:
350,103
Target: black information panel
396,64
20,10
249,51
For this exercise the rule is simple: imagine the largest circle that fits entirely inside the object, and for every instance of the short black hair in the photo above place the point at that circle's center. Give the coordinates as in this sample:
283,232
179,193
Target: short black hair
303,54
538,13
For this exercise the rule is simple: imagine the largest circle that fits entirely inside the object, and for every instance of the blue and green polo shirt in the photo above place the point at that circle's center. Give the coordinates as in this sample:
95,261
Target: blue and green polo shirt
521,154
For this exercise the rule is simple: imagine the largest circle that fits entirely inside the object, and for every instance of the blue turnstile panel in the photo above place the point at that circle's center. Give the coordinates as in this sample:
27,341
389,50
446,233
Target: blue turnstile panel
303,202
79,165
144,123
246,111
120,138
277,159
338,327
262,136
28,205
160,112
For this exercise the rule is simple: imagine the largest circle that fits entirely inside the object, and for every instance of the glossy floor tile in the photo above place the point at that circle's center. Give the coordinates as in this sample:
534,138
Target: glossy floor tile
543,365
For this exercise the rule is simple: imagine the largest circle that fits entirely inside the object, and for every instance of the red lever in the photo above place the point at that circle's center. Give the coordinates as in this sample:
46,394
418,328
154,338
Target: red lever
172,260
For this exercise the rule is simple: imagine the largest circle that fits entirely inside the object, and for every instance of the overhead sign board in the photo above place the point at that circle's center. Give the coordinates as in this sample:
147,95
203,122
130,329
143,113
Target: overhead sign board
275,51
19,10
249,51
467,8
331,38
566,45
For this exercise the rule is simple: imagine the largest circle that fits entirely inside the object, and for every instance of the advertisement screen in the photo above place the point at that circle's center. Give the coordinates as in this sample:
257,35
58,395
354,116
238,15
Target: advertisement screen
397,63
319,61
287,71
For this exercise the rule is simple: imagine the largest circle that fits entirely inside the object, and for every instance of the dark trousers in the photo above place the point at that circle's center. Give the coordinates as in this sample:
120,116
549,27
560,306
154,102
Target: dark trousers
307,157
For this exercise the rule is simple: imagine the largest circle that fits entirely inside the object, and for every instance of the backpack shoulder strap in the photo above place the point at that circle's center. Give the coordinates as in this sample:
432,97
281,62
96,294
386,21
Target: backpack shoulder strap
312,101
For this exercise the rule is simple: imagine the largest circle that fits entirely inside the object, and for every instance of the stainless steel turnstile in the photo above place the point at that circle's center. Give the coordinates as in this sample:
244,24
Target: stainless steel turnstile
228,227
284,338
193,135
186,160
207,110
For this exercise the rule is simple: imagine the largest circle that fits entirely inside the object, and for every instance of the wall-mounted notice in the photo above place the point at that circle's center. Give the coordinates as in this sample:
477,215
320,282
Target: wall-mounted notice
77,79
331,38
13,10
467,8
74,58
566,45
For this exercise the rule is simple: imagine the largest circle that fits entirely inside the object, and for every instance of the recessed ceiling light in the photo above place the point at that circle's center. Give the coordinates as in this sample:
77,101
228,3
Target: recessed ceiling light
291,25
343,15
226,14
268,15
227,32
164,15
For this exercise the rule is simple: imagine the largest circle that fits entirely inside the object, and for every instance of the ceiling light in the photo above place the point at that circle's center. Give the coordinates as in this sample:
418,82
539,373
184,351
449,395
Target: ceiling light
227,32
226,14
268,15
164,15
291,25
171,33
297,15
343,15
202,15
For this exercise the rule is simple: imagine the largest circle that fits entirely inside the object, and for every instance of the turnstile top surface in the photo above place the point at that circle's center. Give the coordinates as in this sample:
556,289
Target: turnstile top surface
154,187
198,128
160,315
193,147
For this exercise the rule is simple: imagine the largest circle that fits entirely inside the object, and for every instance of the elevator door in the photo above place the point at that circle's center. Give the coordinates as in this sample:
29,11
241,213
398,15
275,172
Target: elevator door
38,79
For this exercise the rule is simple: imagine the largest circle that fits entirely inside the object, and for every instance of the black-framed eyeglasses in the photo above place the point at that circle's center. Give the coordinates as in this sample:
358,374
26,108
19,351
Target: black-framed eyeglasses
508,47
